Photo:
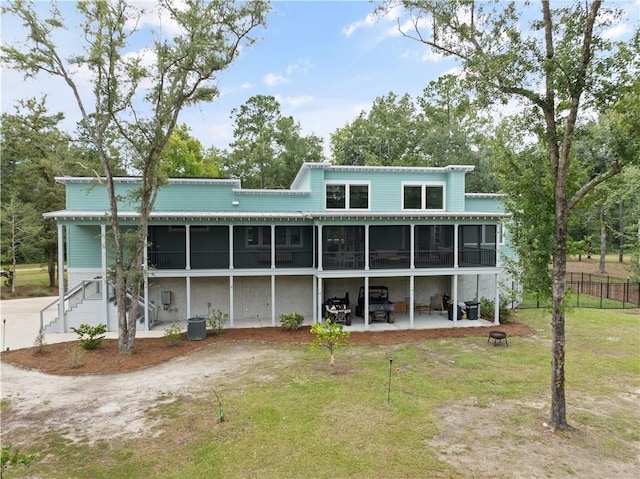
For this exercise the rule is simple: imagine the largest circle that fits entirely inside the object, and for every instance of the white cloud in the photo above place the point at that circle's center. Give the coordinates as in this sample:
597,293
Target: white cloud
246,86
157,18
430,55
301,65
616,33
273,79
294,101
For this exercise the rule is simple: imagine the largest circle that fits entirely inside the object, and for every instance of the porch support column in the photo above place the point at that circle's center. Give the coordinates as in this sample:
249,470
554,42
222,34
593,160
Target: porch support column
188,281
314,306
231,247
412,236
496,311
319,299
320,249
455,248
412,281
454,286
366,298
273,298
145,270
273,252
187,253
104,284
366,257
61,319
231,313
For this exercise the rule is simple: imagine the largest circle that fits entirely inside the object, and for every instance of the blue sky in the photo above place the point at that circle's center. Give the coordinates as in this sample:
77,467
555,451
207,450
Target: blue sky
324,61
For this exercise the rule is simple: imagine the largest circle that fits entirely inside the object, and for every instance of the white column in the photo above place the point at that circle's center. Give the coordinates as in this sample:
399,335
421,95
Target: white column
454,286
231,313
230,246
145,269
496,311
273,298
319,298
320,250
273,248
366,256
187,252
412,287
413,247
104,284
455,248
315,315
188,282
61,319
366,301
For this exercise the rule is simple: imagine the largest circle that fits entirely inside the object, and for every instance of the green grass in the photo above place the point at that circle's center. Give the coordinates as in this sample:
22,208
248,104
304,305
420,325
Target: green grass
305,420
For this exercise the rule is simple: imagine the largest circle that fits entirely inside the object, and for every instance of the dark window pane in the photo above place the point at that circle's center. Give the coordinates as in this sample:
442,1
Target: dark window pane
295,236
359,196
435,199
412,197
335,196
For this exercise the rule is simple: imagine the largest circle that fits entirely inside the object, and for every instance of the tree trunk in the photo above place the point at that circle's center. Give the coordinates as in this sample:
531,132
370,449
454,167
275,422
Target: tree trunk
558,402
603,243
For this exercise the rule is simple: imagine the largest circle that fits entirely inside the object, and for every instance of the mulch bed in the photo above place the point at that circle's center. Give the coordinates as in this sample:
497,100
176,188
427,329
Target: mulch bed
59,358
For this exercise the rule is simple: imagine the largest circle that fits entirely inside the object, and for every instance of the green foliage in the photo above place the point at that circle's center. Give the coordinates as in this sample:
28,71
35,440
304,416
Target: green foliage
487,310
12,457
184,156
269,148
329,335
291,321
216,320
173,335
90,336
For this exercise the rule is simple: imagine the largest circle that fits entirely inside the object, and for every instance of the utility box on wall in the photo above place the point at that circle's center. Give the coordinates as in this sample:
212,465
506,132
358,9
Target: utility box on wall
165,299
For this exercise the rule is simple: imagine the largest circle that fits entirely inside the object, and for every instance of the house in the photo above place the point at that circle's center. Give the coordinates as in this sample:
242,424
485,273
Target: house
256,254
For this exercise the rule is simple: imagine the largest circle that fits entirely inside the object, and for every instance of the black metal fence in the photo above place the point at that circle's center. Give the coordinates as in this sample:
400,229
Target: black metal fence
585,290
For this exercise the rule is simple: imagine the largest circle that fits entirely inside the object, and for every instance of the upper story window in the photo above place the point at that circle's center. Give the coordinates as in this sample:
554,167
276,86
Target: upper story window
423,196
347,196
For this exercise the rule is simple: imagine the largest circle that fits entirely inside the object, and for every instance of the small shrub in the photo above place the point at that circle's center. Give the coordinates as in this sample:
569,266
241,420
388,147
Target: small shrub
329,335
291,322
487,310
90,336
173,335
77,353
216,320
40,342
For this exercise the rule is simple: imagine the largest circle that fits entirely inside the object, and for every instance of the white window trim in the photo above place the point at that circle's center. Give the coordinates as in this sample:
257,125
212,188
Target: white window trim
424,185
347,184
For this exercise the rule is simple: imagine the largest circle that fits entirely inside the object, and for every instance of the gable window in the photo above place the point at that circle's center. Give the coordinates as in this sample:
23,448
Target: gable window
423,196
345,196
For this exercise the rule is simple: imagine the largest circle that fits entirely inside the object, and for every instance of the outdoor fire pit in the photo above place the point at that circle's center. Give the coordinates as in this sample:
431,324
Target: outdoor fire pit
498,336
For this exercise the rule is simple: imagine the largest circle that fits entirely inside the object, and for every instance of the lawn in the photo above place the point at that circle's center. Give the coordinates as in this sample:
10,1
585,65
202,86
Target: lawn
446,408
